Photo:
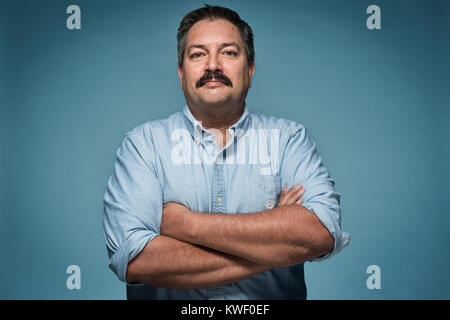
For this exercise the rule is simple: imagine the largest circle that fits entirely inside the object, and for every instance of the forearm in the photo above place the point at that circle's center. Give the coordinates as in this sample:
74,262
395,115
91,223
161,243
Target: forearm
170,263
281,236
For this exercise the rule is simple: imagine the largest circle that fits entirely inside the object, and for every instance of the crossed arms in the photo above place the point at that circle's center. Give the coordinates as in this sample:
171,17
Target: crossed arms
170,246
199,250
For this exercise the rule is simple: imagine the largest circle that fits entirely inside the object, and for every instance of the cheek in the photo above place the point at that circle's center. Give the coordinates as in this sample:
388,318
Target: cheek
240,74
242,79
191,78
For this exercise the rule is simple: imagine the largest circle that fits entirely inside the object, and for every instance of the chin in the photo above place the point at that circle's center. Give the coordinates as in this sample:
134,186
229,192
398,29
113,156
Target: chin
215,100
213,104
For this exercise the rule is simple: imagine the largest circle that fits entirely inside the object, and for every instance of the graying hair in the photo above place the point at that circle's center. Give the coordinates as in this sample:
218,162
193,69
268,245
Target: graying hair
214,12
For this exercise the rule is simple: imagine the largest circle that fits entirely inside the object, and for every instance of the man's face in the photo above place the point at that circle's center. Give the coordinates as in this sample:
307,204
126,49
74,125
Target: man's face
215,69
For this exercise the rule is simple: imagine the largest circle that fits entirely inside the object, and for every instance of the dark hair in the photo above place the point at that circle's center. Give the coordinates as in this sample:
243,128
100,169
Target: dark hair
214,12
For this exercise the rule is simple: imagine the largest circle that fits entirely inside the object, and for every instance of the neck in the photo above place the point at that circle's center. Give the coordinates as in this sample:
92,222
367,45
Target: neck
218,117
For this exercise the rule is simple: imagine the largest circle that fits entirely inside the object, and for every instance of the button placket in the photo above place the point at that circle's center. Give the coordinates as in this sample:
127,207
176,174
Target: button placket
219,200
219,206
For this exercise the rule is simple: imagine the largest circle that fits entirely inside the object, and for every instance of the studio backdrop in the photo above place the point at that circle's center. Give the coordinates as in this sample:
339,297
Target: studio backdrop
368,79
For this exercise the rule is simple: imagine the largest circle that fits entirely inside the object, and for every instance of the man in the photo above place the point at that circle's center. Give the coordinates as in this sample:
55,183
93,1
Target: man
195,208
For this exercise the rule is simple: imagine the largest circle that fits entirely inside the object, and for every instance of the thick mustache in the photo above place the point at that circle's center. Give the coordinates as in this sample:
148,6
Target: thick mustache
213,76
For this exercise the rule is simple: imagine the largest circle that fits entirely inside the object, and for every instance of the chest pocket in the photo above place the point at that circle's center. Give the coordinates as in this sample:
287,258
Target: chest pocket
264,192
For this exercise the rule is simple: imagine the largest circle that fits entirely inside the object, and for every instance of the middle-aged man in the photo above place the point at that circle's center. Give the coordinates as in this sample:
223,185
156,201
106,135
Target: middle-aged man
199,205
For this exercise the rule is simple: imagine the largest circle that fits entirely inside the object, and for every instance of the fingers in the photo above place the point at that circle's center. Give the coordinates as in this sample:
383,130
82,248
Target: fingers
292,196
283,196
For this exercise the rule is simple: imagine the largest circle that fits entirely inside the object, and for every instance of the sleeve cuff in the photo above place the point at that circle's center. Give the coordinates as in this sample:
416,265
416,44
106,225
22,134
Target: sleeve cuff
129,249
341,239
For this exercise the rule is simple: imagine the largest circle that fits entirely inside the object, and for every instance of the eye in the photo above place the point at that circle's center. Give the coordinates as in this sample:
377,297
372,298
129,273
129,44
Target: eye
231,53
196,55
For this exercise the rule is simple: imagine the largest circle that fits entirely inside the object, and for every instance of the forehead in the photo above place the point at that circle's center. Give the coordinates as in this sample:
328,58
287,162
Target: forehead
213,32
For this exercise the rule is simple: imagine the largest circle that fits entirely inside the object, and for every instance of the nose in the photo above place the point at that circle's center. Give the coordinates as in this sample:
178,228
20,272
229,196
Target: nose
213,63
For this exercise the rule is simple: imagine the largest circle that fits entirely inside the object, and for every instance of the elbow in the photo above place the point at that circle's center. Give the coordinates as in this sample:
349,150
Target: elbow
135,274
131,275
319,245
322,245
325,244
139,272
319,241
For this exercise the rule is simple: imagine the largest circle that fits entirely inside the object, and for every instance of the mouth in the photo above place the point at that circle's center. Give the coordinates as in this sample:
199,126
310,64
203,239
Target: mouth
213,83
211,80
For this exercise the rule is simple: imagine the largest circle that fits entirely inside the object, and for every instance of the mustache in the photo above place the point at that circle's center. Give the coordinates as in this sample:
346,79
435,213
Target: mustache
213,76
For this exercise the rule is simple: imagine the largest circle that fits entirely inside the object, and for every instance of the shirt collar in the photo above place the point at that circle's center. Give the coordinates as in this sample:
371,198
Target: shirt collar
198,132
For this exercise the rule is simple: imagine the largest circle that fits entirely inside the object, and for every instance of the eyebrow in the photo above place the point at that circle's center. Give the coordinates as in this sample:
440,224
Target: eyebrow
223,45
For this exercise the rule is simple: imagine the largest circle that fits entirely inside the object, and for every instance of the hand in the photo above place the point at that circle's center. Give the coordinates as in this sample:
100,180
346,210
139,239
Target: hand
174,218
292,196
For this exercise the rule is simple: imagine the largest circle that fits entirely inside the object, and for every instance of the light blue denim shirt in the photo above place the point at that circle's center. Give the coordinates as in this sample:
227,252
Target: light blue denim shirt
177,160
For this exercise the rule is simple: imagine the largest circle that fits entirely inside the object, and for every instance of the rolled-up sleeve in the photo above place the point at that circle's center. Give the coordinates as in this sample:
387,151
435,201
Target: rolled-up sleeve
132,203
301,164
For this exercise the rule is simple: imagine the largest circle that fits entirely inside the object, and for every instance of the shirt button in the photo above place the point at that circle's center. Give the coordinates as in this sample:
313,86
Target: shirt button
270,203
219,200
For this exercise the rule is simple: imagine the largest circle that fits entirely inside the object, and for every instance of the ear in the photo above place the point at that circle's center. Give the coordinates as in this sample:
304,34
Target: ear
251,72
180,75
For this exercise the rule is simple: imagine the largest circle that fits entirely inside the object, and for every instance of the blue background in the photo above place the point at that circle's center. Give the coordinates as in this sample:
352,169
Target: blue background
375,101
